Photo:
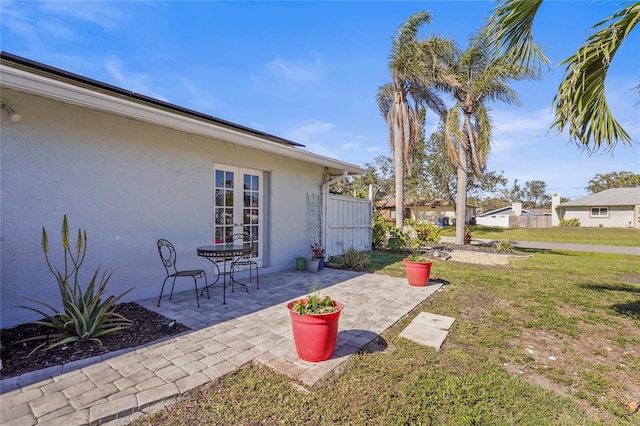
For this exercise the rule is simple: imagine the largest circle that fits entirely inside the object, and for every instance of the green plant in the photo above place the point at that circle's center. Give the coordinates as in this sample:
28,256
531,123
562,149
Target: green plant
570,222
424,234
378,230
351,259
505,246
397,239
315,304
417,258
86,316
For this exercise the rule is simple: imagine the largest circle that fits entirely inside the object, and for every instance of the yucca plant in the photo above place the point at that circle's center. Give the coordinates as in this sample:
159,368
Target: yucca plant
351,259
86,316
505,246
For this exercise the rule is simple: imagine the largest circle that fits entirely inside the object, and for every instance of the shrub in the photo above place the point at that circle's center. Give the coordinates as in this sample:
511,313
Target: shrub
378,231
570,222
424,235
86,316
397,239
351,259
505,246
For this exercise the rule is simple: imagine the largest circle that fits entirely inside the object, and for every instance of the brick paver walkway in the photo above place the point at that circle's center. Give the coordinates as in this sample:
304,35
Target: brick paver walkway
253,326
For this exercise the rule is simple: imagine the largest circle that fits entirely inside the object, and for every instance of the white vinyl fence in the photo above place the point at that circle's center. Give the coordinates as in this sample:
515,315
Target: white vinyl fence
348,224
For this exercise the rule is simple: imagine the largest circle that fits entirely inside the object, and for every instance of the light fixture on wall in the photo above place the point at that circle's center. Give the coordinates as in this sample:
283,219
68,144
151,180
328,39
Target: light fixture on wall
13,116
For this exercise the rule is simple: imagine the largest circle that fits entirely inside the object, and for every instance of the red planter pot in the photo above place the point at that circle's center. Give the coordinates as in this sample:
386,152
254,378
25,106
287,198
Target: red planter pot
315,335
418,272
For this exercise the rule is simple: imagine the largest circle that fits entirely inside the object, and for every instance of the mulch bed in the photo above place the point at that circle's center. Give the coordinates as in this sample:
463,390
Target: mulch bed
17,361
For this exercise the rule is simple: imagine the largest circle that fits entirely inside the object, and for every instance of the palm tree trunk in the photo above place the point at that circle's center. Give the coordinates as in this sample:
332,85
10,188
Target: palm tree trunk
398,154
461,195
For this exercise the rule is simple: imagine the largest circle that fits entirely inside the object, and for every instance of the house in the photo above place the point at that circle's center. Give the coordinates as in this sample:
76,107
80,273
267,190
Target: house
515,216
611,208
424,211
132,169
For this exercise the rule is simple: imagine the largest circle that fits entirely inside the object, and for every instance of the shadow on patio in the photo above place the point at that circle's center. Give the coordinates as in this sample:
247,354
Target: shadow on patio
275,288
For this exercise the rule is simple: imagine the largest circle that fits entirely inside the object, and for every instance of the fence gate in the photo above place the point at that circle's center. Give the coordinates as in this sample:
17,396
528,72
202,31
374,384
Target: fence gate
348,224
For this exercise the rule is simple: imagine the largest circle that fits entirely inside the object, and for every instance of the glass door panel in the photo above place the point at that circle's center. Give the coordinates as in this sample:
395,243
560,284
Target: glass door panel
238,205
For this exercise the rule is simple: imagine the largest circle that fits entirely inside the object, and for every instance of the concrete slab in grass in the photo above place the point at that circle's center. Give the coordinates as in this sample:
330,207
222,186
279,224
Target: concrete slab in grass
428,329
432,320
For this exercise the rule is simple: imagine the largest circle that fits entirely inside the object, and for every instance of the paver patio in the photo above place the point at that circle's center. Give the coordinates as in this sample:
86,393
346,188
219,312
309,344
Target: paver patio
252,326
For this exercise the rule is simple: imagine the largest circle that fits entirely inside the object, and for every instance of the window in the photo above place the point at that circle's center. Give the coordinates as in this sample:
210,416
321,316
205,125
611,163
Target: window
599,211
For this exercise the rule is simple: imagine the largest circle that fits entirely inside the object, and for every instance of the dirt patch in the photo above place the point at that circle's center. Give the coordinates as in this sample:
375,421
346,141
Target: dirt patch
474,254
546,360
17,361
630,278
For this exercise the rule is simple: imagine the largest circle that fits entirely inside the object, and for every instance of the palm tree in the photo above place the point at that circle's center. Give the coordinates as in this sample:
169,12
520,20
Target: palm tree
580,103
416,69
478,78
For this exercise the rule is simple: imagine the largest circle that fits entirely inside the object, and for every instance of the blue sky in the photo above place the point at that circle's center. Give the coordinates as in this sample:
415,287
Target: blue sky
309,71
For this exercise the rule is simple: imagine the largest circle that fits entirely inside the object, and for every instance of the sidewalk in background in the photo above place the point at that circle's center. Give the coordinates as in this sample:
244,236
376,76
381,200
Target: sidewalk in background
593,248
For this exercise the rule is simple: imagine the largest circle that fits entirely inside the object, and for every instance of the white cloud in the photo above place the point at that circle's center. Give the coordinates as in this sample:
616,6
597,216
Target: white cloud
57,29
514,129
196,97
309,131
102,14
297,71
135,82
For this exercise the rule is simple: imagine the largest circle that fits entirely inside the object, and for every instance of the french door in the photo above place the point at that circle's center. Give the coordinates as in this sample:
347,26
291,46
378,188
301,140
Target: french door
238,205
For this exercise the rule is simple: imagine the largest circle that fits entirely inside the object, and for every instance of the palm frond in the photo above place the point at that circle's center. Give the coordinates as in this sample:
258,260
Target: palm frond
581,103
510,29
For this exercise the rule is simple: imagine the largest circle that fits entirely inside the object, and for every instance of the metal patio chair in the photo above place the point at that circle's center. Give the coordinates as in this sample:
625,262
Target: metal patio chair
245,263
168,256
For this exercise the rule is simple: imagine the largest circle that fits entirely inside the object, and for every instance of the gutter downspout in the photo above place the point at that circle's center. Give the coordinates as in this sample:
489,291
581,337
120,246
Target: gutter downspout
325,201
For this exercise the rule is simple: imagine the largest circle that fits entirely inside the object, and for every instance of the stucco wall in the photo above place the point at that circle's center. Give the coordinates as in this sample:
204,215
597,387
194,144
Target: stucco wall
127,183
619,217
501,220
432,214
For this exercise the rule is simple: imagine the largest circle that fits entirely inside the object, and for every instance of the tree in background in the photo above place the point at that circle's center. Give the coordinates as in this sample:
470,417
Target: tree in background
416,70
378,176
514,194
535,194
580,103
440,173
603,181
478,78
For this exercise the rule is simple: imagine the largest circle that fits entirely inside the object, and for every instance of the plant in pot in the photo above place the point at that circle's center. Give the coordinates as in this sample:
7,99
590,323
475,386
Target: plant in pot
314,320
417,267
317,252
418,270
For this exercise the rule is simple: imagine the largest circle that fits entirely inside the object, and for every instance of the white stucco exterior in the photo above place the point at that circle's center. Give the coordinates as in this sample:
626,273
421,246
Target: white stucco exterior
128,183
611,208
500,219
618,216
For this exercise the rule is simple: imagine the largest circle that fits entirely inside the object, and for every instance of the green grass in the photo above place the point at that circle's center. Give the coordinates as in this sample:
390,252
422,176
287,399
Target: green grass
629,237
494,368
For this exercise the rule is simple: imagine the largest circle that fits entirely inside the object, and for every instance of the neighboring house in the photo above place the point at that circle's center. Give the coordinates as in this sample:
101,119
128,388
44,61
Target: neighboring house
130,170
424,211
611,208
515,216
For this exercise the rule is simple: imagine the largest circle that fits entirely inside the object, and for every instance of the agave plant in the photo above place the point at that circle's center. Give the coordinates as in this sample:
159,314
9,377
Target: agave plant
86,316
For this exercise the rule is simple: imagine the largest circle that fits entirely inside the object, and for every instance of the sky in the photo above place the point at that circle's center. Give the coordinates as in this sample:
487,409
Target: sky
309,71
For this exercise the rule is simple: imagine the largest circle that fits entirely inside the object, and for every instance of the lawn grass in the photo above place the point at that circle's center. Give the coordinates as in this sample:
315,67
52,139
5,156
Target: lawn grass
551,339
629,237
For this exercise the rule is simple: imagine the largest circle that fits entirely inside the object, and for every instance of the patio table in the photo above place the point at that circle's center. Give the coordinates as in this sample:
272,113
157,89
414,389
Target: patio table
227,253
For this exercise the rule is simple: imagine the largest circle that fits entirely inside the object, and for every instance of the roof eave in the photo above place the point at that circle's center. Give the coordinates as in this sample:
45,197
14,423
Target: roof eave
131,107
